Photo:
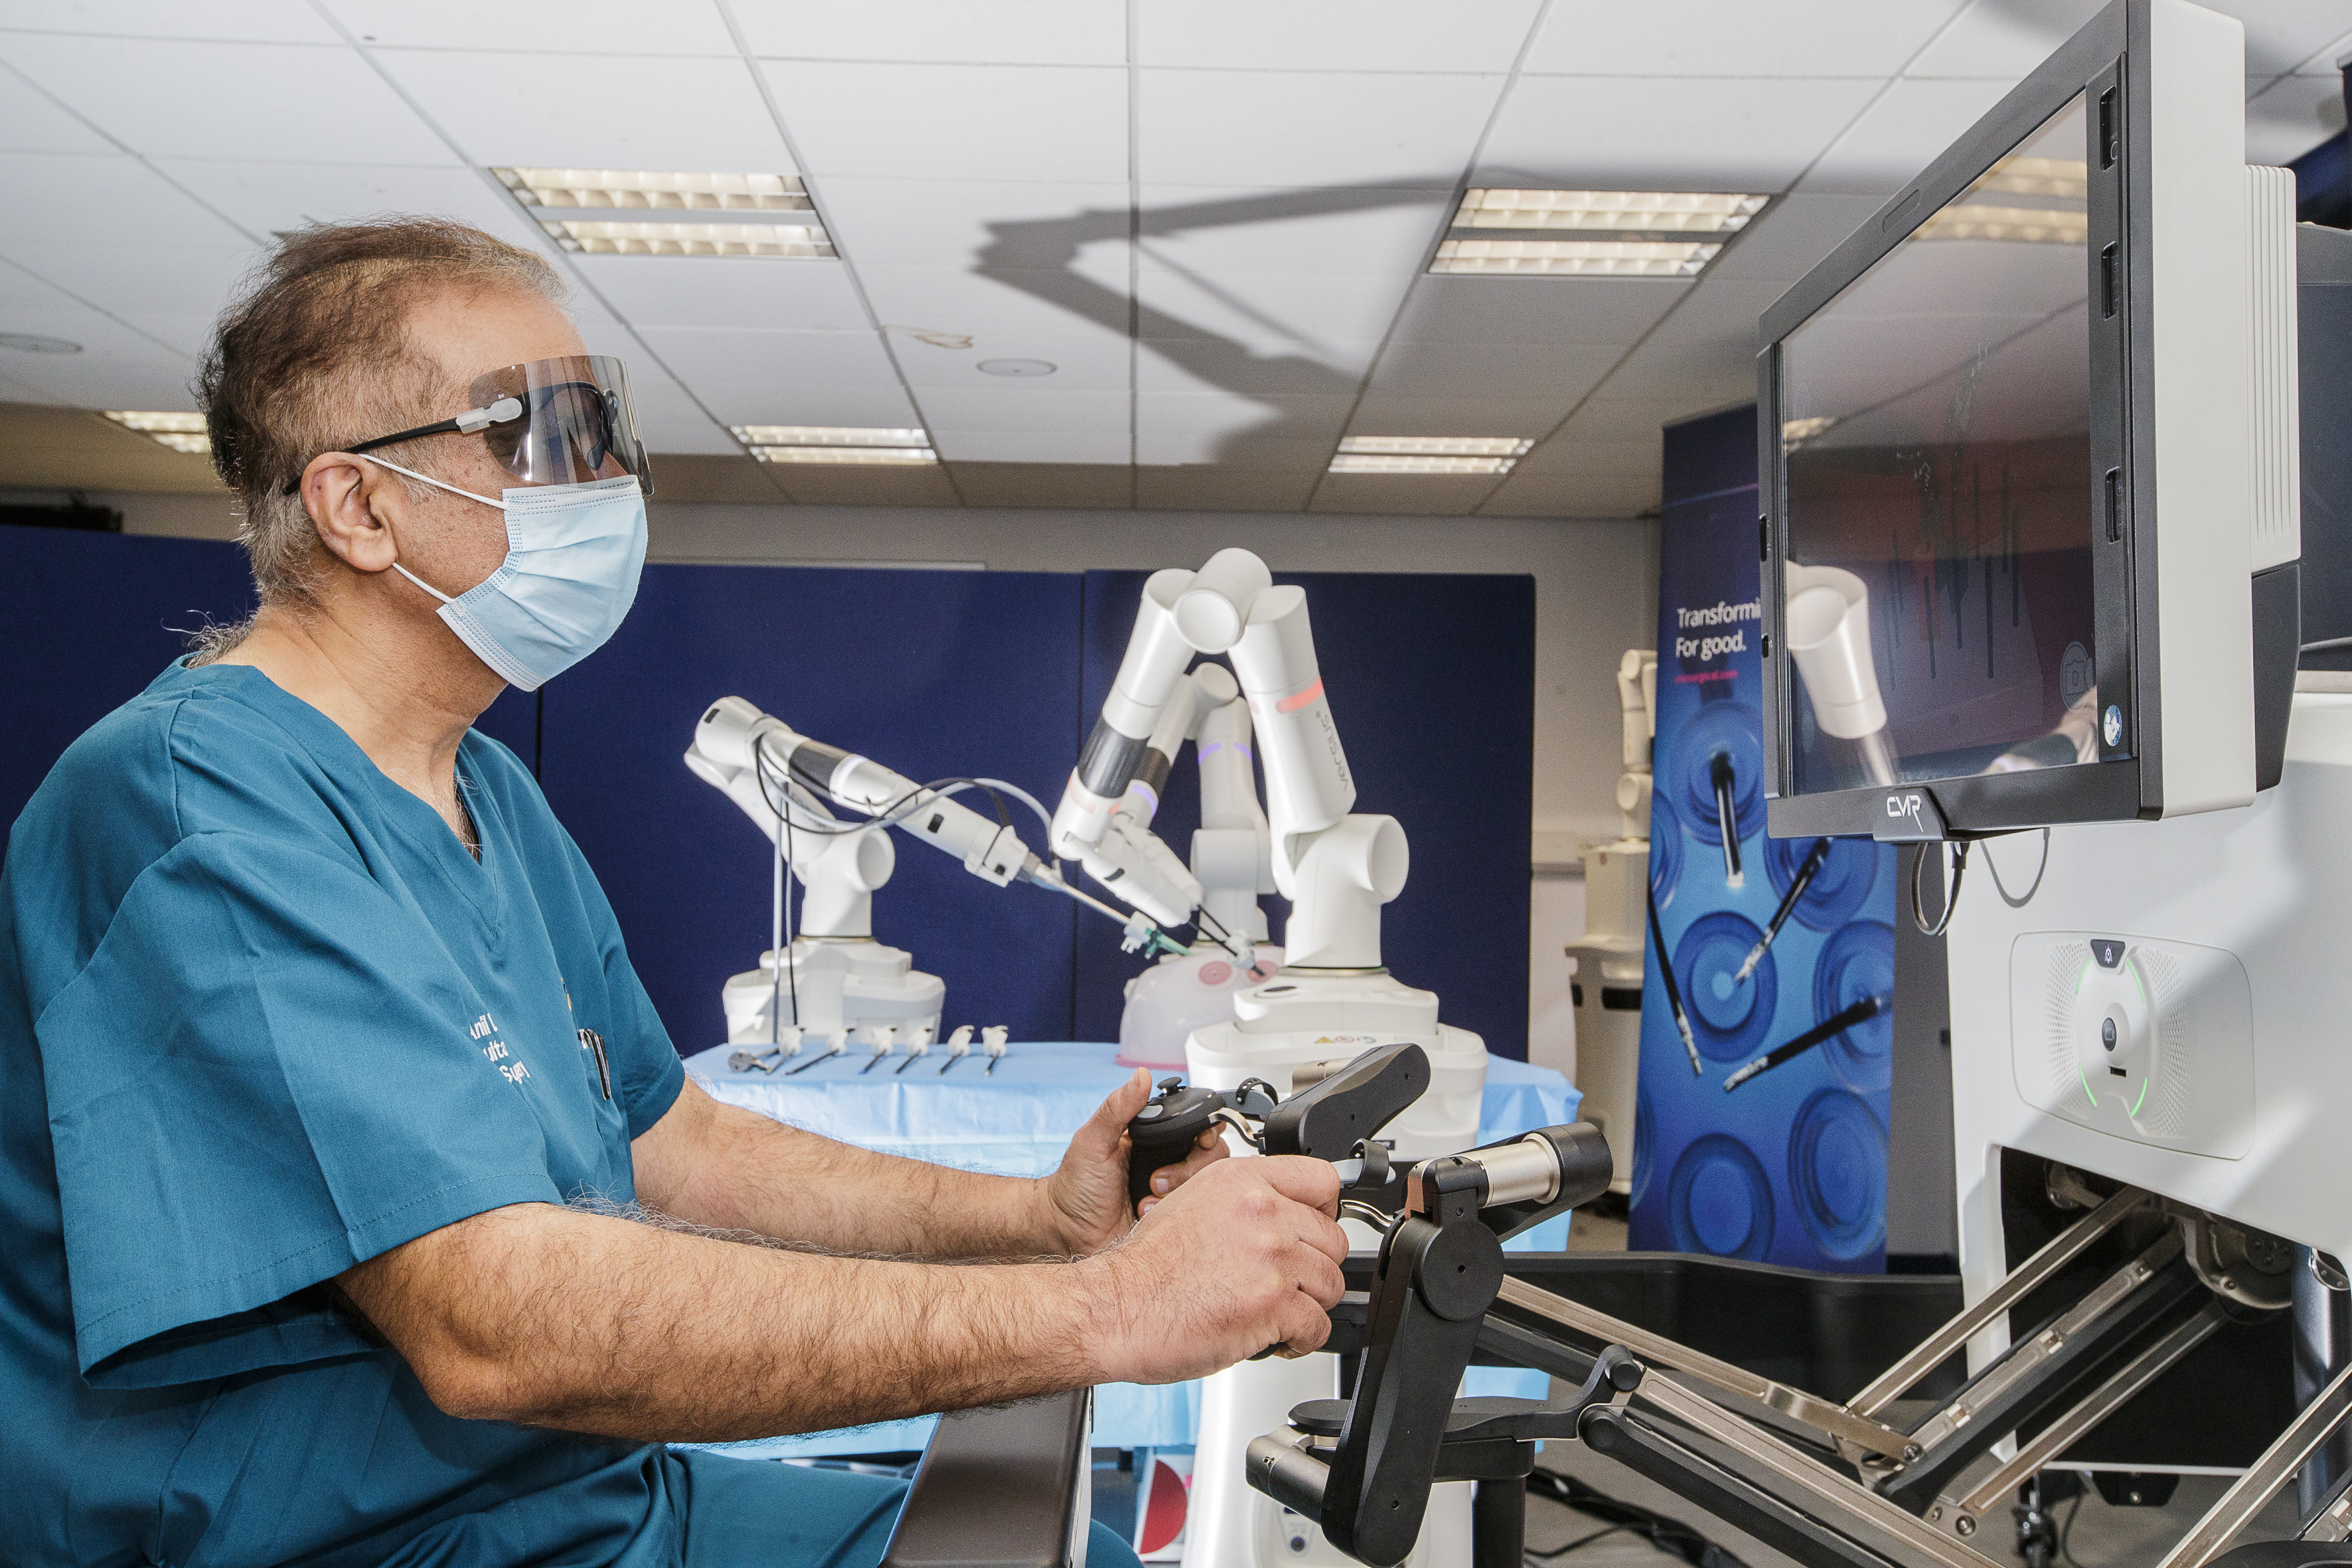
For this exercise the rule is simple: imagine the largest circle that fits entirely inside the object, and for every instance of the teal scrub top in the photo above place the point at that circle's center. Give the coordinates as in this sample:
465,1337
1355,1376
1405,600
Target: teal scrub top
263,1017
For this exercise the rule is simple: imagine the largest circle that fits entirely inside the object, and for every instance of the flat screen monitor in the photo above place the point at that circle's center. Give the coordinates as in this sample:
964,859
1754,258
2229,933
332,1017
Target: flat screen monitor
2006,464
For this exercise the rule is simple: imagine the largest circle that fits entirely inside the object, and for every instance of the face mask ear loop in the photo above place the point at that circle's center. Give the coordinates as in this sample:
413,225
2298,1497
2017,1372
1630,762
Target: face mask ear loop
427,478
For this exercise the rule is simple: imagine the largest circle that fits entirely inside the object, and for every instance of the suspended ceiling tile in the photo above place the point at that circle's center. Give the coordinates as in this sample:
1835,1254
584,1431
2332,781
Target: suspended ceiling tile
32,122
266,199
1058,124
1564,495
1607,417
1253,369
1508,309
1722,315
705,291
1290,433
595,112
1035,447
15,390
1565,456
668,420
1047,483
2291,116
1660,133
1791,236
1194,487
1193,229
176,97
1736,37
2289,35
816,485
971,224
767,403
1246,307
1897,137
1698,377
2002,40
851,360
1334,35
116,369
628,27
1421,495
951,415
1559,373
1383,414
1295,129
242,21
952,32
116,202
1072,322
688,478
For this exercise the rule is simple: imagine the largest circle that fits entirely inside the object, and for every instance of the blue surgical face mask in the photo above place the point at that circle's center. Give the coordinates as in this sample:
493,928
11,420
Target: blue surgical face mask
574,555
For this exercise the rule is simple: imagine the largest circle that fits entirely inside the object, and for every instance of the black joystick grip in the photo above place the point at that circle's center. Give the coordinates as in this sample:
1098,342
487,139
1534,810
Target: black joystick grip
1162,1132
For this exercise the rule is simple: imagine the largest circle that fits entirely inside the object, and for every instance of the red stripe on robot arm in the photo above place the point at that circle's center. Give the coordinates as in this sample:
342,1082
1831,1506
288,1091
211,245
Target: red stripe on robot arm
1293,704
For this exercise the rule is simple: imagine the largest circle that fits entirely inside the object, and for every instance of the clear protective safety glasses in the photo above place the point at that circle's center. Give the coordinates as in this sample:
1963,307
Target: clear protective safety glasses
560,421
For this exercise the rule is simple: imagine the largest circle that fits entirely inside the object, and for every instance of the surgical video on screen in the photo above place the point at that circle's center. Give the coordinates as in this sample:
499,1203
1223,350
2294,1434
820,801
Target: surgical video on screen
1936,432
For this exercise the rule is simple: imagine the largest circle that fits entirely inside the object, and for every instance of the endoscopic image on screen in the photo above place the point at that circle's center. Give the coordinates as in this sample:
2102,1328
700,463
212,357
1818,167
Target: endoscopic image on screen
1936,427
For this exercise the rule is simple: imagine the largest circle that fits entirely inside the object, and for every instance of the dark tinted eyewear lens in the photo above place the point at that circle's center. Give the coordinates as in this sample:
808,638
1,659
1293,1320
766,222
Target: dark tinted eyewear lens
564,436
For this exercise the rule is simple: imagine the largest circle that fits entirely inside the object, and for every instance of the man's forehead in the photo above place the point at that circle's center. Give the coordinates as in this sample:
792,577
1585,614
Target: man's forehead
470,334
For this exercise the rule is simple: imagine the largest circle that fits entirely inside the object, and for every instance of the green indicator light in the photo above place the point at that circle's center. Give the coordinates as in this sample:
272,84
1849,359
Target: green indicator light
2086,1082
2144,996
2079,979
2143,1095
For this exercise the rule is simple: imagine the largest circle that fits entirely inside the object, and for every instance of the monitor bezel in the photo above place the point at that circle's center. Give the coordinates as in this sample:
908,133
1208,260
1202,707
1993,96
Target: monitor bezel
2125,782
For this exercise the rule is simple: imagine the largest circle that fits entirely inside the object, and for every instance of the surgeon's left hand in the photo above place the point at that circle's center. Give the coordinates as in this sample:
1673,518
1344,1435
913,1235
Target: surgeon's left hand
1088,1193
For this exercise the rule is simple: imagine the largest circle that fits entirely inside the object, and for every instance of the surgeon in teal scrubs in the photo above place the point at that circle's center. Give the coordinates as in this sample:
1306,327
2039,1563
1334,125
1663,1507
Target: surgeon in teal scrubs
357,1210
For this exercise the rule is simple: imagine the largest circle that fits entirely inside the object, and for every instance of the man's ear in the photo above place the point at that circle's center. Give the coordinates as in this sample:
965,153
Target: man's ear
352,504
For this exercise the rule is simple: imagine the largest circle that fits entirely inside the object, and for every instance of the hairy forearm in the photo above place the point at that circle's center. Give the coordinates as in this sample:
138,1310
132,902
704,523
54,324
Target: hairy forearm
586,1322
732,1169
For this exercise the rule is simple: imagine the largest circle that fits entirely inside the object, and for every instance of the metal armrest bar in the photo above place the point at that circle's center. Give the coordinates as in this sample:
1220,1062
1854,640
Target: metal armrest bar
1001,1488
2061,1249
1822,1415
1997,1485
2279,1462
1819,1486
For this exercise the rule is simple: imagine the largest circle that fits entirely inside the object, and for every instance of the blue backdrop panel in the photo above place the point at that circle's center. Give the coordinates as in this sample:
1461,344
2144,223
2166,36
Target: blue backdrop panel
1432,682
91,619
1791,1167
932,673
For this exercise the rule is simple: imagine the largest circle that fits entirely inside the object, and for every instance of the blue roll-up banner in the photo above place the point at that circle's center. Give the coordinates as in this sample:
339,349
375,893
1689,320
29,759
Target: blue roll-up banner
1787,1166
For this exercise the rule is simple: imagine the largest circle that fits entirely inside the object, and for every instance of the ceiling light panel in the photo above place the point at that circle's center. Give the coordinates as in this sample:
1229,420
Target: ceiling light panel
651,190
1648,212
831,436
1587,257
1415,463
181,432
595,237
871,456
1439,445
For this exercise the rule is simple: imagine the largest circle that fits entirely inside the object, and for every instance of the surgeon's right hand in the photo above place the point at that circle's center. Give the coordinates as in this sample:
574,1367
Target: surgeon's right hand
1244,1256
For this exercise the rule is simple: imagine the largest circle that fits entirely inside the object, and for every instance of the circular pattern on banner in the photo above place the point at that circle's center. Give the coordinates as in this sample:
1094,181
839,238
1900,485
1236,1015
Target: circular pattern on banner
1665,850
1728,1016
1858,960
1730,730
1837,1174
1645,1139
1838,889
1720,1201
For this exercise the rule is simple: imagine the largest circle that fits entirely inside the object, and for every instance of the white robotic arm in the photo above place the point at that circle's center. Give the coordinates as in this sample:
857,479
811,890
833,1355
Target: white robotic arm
841,868
1336,867
734,738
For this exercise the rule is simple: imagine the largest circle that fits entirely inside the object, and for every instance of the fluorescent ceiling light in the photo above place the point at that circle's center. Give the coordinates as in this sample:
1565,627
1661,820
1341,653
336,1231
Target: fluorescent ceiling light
882,456
2031,225
829,436
1793,431
2063,177
651,188
600,237
1595,258
1438,445
181,432
1647,212
1416,463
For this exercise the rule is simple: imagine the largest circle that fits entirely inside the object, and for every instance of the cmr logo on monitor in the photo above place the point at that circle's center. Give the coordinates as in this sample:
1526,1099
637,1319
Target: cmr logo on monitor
1910,816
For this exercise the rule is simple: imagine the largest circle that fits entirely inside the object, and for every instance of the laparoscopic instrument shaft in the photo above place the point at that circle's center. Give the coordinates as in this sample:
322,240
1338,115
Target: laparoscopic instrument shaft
1815,860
